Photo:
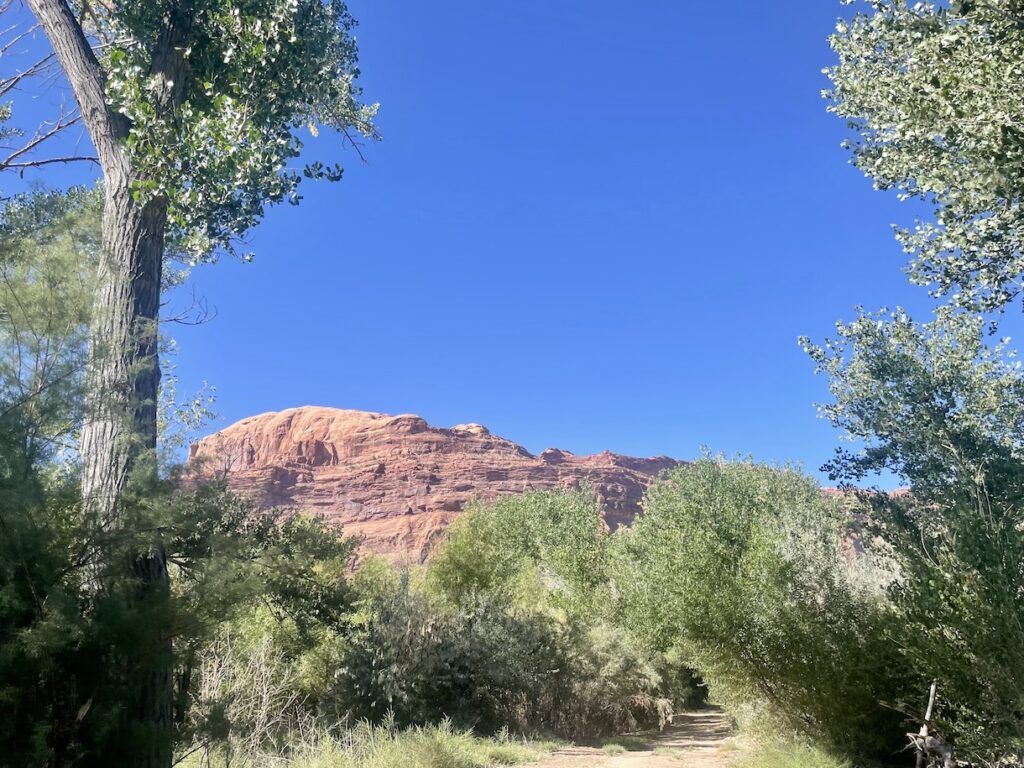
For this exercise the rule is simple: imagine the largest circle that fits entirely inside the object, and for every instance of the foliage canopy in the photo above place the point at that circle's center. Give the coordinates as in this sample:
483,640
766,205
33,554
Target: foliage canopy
932,92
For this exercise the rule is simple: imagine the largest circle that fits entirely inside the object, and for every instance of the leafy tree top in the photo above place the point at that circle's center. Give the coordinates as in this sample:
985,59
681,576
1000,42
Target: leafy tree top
933,93
934,403
208,98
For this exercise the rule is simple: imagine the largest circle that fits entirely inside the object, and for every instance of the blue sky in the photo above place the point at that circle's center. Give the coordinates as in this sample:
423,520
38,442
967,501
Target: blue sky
589,225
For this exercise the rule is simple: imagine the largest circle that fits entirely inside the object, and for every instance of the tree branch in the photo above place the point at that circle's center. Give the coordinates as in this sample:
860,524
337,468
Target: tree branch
168,64
9,84
42,135
87,79
17,38
51,161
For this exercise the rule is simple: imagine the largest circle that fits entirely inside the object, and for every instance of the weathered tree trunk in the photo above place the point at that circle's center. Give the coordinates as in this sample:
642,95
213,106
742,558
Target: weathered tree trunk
119,442
123,374
120,428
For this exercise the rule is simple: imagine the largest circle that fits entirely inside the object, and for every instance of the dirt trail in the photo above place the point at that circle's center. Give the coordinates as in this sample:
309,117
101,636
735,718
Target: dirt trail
695,740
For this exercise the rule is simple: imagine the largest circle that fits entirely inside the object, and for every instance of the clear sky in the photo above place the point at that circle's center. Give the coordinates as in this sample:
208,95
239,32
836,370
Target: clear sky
589,225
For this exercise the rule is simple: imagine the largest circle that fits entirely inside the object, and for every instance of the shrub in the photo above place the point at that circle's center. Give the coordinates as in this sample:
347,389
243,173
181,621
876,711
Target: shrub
477,665
247,699
487,665
43,636
536,550
542,557
611,687
740,567
66,645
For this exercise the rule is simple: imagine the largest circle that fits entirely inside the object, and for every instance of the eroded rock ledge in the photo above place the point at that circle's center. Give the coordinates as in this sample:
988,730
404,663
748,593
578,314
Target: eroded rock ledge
397,481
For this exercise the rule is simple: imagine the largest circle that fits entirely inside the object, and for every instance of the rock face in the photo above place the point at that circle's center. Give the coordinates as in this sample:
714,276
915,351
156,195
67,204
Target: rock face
398,482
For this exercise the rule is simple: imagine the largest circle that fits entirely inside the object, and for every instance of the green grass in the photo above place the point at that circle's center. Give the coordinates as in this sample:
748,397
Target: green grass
787,756
366,746
620,744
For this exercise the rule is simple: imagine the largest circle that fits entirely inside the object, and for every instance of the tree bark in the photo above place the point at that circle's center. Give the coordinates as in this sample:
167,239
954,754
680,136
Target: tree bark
120,428
118,444
124,373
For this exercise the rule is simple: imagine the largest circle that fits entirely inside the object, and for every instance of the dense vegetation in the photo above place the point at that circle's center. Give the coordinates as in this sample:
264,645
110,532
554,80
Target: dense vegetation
821,616
741,568
494,650
147,616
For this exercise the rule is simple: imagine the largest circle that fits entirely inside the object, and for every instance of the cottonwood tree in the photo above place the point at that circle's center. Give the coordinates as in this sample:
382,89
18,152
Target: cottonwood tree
933,92
193,109
943,409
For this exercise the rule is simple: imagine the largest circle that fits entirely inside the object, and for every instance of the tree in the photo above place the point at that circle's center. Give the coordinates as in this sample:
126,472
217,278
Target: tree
530,549
932,91
943,410
68,665
49,248
740,568
193,108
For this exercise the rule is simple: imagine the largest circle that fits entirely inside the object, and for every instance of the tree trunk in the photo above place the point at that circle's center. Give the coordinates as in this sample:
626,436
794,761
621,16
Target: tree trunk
118,445
124,373
119,433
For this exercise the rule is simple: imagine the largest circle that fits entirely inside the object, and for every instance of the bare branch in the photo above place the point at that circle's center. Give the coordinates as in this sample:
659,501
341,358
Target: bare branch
9,84
86,76
17,38
44,133
198,312
50,161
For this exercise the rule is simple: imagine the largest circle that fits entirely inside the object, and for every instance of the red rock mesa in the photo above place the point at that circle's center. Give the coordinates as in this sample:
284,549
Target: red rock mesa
398,482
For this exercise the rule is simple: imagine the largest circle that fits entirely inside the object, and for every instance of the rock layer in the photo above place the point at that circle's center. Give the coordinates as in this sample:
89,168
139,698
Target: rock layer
398,482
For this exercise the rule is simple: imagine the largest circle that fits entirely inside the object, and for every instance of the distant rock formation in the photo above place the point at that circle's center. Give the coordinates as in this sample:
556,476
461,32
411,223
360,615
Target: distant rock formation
398,482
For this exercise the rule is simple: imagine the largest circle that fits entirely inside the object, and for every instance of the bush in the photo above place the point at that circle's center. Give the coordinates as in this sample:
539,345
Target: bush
42,632
511,651
543,557
503,630
611,687
739,567
67,646
960,603
485,667
478,665
538,550
247,698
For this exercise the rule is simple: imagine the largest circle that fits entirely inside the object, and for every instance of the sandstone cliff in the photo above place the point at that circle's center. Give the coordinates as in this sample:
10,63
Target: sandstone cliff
396,481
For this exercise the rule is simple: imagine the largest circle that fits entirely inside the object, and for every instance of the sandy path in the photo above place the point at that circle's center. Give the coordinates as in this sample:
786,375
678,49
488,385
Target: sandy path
695,740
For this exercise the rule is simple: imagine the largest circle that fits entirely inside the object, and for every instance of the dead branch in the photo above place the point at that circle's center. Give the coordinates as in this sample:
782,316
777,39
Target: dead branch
197,312
10,83
51,161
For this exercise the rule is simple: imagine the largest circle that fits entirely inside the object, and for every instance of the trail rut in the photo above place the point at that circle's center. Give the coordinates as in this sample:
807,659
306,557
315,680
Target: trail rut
694,740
